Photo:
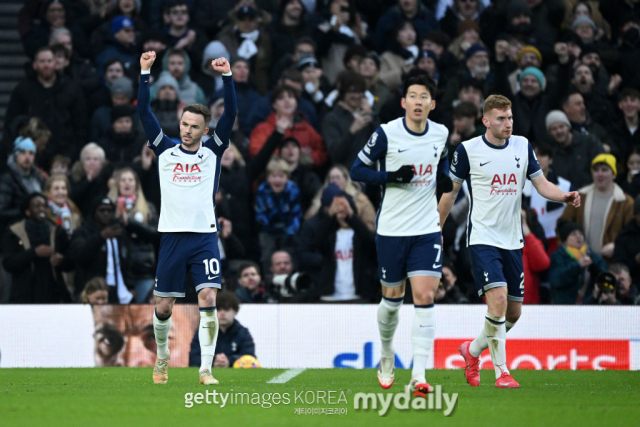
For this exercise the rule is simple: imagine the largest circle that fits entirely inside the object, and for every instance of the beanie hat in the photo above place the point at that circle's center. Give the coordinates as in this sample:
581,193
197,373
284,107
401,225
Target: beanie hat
473,49
166,79
122,85
566,228
518,8
329,193
556,116
536,73
120,22
119,112
529,49
607,159
426,54
24,144
307,60
583,20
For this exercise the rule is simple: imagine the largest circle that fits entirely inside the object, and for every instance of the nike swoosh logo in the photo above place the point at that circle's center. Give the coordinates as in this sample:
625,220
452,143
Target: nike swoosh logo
211,278
482,164
174,154
402,151
437,266
504,383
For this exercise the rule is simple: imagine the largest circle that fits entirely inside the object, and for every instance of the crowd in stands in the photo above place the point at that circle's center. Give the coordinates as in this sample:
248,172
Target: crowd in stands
79,189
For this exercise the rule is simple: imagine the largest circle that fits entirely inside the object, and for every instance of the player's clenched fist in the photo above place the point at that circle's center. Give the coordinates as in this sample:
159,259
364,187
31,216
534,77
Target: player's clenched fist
221,65
146,60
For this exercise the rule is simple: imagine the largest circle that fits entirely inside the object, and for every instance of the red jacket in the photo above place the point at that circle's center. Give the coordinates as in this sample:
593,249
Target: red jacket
534,260
301,130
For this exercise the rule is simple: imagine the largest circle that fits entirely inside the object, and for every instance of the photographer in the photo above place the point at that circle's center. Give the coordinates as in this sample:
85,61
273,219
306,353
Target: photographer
101,248
287,285
604,292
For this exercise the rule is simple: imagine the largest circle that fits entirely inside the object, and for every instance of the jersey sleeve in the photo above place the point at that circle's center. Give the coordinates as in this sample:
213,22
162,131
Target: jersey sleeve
459,168
222,134
533,168
157,140
375,149
443,164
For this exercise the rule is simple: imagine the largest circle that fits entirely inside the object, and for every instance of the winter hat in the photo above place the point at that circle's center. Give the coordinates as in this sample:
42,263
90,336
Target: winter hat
427,54
473,49
307,60
329,193
566,228
166,79
536,73
518,8
583,20
246,11
120,22
529,49
24,144
119,112
556,116
607,159
122,85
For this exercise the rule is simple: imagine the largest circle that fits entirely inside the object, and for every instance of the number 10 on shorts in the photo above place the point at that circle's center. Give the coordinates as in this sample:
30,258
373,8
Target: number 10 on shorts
211,266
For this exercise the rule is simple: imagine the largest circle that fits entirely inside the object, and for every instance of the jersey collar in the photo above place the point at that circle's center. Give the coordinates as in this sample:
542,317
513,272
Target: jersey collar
490,145
404,123
187,151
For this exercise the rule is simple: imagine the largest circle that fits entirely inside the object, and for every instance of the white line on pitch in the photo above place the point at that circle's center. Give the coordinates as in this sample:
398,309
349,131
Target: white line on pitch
286,376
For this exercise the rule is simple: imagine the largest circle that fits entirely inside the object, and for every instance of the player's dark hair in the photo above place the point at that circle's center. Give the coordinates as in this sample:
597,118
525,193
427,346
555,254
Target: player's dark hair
465,109
543,148
423,80
26,203
247,264
199,109
629,92
281,90
226,300
566,97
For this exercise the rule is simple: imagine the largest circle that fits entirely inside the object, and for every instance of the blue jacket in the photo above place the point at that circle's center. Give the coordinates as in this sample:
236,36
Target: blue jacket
277,213
566,277
234,343
114,49
425,20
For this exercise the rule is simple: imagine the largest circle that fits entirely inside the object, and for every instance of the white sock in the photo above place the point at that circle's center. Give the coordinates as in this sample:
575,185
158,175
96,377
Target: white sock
496,337
422,334
208,335
480,344
161,330
388,322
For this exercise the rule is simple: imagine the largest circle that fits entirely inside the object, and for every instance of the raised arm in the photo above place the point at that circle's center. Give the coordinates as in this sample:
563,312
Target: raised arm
151,126
222,134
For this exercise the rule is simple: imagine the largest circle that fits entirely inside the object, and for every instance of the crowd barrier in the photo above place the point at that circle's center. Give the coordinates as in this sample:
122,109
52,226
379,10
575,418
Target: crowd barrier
318,336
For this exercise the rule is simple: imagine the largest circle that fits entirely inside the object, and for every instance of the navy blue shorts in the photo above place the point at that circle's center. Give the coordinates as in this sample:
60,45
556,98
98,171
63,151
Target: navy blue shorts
400,257
494,267
182,252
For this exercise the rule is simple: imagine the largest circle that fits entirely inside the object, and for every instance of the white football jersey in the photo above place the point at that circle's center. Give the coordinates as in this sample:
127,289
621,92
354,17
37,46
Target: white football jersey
407,209
495,177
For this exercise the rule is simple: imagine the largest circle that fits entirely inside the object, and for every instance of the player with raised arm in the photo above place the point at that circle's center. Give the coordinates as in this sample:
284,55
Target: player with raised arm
189,173
408,237
495,166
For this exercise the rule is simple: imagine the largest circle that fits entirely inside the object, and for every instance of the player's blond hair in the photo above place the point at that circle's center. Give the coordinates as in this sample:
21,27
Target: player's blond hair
496,102
278,164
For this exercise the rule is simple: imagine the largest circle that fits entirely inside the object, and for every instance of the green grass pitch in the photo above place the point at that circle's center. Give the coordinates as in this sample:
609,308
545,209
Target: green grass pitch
119,397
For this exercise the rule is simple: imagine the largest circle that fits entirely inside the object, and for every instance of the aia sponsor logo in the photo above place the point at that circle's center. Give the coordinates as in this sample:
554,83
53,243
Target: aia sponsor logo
187,173
547,354
500,180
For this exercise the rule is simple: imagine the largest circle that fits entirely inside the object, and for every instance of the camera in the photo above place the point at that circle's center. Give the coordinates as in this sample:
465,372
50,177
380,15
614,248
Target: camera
288,286
606,282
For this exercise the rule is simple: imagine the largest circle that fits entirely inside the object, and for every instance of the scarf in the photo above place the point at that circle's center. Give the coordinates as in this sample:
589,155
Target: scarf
127,201
63,215
248,46
576,254
114,273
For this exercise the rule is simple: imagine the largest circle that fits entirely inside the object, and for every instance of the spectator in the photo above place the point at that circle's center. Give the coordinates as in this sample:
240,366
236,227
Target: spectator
535,260
60,165
264,106
598,106
234,340
342,29
531,21
180,34
449,292
527,56
127,8
147,171
339,175
438,43
630,181
468,35
476,67
286,120
35,252
246,38
140,221
427,61
583,8
573,106
352,56
55,99
89,177
208,79
167,104
628,49
122,142
627,244
100,248
547,211
277,208
230,246
288,25
305,46
19,181
617,14
571,263
246,92
402,51
176,63
61,209
347,272
369,69
121,95
103,96
573,151
605,209
39,133
626,291
458,13
605,290
285,283
120,44
534,100
250,287
465,125
625,130
348,126
316,85
590,55
95,292
152,40
422,18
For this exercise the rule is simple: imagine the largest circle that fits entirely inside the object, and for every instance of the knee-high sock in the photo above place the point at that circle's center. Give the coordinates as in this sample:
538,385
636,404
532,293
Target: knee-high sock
208,335
388,322
496,337
161,328
480,344
422,334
